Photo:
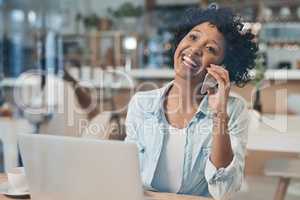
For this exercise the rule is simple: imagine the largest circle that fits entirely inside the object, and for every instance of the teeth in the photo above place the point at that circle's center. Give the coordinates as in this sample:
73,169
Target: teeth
189,65
187,59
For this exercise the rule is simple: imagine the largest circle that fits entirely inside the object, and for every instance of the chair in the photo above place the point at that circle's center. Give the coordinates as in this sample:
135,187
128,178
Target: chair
69,119
98,127
285,170
59,113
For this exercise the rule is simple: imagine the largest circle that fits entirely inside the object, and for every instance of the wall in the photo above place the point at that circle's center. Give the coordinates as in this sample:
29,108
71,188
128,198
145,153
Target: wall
177,2
100,7
87,7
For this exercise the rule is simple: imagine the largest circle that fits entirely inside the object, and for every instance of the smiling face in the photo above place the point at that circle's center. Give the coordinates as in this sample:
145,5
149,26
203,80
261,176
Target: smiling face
202,46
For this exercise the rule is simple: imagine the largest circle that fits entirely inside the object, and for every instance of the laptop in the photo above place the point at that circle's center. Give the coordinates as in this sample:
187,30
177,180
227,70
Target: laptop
67,168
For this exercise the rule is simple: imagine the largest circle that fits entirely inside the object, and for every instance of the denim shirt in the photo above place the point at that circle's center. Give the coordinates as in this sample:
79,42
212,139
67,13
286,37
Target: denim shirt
146,128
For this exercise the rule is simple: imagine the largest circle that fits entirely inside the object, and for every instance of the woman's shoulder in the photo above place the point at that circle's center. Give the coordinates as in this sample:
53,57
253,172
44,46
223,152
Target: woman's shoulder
150,93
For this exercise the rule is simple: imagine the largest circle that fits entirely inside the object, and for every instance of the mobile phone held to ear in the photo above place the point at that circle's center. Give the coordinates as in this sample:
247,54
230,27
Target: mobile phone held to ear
209,83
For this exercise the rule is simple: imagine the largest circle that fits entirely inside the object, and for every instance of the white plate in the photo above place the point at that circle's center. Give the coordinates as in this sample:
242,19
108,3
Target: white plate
6,190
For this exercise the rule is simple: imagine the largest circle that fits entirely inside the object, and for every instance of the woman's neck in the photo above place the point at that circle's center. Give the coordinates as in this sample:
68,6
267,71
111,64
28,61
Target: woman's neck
186,92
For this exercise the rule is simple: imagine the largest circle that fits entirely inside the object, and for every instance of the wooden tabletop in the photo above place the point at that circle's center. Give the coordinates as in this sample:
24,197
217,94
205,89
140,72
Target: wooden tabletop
149,195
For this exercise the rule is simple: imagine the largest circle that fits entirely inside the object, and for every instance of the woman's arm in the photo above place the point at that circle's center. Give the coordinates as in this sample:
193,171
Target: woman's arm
225,165
224,181
222,154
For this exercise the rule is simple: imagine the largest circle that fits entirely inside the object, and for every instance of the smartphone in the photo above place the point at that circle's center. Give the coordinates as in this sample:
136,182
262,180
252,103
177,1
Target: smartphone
209,83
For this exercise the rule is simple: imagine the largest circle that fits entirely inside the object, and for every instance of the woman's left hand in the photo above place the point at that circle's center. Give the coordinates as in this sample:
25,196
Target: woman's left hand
218,99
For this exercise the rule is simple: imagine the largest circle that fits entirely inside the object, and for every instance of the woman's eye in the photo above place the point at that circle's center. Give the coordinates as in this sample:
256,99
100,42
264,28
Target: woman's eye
211,50
192,37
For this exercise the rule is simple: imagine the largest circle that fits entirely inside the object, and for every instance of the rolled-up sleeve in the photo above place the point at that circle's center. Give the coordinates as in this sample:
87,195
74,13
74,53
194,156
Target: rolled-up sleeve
223,182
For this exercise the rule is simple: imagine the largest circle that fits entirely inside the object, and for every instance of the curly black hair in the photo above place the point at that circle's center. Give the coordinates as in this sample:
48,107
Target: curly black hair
240,50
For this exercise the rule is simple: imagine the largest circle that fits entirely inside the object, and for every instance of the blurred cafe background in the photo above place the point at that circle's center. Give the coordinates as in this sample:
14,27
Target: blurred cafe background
54,53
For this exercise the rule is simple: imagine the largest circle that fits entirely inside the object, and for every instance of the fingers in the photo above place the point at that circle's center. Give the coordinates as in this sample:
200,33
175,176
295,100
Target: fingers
222,73
217,76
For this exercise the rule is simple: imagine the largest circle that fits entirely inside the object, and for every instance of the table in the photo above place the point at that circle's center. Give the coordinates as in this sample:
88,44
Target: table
276,133
149,195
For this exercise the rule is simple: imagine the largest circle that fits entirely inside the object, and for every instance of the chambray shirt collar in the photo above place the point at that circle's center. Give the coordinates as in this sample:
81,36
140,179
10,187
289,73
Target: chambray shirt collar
158,108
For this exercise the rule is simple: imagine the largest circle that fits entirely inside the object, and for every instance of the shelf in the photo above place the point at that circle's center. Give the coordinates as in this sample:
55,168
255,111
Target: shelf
158,74
275,74
115,85
270,74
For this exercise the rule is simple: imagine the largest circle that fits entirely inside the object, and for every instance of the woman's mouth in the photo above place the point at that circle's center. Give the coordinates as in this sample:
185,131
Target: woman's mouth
190,63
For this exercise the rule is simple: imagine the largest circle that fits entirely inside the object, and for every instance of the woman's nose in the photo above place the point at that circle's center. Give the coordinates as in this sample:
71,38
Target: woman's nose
196,51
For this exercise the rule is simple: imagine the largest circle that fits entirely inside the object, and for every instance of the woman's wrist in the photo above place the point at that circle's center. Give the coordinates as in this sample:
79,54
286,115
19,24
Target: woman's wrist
220,122
222,107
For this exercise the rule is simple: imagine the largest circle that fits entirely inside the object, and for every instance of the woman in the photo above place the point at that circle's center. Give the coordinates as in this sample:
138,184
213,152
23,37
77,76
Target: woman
191,143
